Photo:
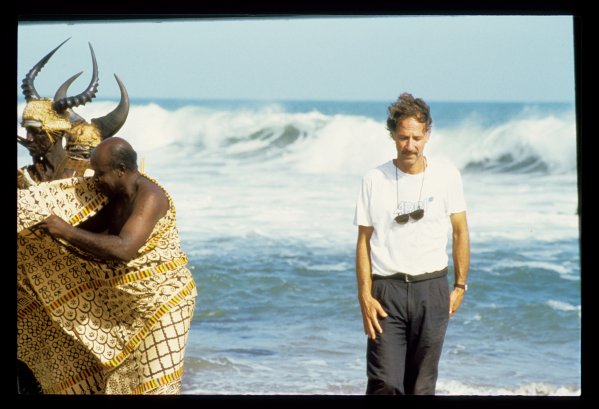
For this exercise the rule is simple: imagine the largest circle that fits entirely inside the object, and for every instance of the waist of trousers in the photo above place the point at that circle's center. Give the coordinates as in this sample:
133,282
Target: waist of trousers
411,278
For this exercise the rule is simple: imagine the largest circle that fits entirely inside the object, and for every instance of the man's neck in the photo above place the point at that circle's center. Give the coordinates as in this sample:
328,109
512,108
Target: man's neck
418,167
130,187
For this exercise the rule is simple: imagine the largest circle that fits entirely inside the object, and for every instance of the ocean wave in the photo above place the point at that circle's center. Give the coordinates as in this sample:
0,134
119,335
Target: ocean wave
544,144
342,266
313,142
527,266
563,306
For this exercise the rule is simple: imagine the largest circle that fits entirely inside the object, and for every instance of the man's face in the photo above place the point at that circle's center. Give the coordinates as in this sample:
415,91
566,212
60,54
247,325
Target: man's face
410,138
105,176
38,142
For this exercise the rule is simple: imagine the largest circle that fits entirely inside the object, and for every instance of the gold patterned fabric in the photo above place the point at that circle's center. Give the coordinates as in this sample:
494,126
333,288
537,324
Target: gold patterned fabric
86,325
70,166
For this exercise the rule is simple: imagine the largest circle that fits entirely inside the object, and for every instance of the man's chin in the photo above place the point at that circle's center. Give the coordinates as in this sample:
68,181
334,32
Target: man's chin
409,159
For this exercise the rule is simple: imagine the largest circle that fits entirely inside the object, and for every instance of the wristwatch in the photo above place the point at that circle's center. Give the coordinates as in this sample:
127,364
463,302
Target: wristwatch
462,286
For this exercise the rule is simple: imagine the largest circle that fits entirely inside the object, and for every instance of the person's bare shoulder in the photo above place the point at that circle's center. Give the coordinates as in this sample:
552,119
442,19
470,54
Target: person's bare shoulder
150,191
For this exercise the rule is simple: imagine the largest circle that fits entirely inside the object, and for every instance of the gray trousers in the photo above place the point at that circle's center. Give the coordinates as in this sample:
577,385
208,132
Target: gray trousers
404,359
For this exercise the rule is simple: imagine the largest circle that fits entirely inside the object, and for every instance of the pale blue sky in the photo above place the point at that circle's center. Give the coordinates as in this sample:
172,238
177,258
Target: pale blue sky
441,58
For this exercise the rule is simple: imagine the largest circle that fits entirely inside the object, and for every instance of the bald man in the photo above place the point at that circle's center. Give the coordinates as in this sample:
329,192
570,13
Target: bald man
135,205
105,298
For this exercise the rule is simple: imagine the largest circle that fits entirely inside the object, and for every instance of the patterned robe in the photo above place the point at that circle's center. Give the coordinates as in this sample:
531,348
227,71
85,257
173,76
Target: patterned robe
86,325
71,165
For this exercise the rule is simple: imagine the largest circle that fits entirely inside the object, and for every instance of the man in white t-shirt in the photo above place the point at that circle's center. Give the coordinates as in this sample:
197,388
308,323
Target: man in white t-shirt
404,212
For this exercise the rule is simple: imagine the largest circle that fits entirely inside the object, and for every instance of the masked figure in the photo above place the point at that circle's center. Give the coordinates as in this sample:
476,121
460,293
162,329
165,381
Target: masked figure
60,143
58,140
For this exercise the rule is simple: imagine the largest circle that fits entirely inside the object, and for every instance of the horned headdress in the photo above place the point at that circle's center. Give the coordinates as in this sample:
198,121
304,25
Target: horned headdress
56,115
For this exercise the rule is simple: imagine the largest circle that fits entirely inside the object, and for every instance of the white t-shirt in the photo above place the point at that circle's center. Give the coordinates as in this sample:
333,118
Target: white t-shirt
416,247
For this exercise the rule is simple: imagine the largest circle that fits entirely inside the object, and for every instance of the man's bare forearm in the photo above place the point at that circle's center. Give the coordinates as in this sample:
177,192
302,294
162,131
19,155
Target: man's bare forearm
461,250
109,247
363,266
101,245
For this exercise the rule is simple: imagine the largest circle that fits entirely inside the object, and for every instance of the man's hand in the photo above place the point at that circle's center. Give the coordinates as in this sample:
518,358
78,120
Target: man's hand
54,226
455,300
371,310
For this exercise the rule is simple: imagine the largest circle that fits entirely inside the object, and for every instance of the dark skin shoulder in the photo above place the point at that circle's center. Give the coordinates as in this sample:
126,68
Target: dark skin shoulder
149,204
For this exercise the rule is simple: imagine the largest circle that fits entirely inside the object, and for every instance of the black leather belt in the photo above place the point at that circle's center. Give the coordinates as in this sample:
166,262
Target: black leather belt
410,278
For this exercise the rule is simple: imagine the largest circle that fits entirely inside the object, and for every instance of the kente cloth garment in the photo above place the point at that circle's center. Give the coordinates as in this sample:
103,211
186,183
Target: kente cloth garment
70,166
86,325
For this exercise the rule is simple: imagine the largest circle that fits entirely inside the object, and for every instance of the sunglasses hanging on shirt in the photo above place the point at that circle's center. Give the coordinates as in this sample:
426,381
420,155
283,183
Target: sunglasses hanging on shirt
416,214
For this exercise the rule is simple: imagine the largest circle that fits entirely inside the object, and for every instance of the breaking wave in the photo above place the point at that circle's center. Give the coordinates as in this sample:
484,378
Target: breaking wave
314,142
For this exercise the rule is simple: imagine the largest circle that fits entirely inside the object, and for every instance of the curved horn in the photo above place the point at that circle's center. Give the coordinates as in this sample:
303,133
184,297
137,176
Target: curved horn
75,118
85,96
62,93
112,122
27,85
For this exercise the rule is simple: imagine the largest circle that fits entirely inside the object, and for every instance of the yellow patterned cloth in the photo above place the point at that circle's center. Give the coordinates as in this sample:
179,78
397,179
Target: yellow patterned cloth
70,166
86,325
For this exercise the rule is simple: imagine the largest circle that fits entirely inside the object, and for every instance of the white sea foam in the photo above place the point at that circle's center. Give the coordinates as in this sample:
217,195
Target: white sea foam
530,264
563,306
329,267
530,389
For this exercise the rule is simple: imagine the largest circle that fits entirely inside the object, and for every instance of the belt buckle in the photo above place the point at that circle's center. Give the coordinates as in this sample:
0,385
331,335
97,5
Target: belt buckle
407,278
